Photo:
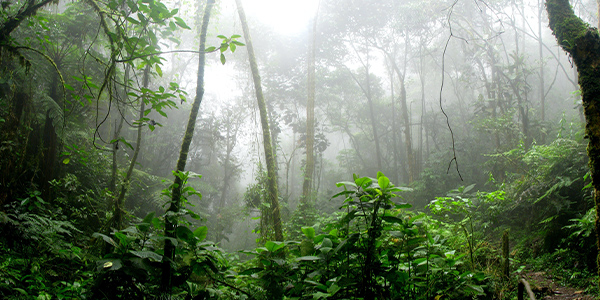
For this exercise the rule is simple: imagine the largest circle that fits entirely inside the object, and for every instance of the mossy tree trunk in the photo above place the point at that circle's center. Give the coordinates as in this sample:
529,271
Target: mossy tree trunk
582,42
175,205
27,9
268,148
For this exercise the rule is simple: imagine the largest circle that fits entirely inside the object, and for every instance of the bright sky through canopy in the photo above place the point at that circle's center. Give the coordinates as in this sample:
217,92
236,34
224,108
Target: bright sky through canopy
285,16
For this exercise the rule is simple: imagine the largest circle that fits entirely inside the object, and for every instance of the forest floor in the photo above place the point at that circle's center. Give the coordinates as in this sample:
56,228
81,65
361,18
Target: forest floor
545,287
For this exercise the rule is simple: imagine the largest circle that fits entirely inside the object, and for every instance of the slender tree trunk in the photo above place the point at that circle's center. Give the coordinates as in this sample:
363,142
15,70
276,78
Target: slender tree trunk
394,126
407,133
226,179
175,205
373,121
270,160
581,41
405,116
118,214
310,119
541,54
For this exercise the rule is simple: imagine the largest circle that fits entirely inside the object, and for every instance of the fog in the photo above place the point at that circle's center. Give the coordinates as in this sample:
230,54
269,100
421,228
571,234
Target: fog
427,92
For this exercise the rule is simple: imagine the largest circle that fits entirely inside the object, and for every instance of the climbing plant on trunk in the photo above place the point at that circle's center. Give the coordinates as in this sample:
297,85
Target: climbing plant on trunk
175,205
581,41
272,194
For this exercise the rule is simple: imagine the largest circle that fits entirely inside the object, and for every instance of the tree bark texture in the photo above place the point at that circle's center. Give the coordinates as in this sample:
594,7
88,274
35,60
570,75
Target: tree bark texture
268,148
175,205
582,42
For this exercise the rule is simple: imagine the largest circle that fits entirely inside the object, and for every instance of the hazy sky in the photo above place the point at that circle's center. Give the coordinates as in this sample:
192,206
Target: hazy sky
286,16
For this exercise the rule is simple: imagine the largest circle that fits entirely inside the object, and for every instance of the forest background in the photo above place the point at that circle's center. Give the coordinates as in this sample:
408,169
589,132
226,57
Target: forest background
470,106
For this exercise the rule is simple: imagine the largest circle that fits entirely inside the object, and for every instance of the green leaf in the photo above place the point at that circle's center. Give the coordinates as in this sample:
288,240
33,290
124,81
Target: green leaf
184,233
309,232
403,205
346,184
363,182
308,258
476,288
109,264
250,271
159,70
238,43
22,291
223,58
236,36
274,246
201,233
232,47
145,225
391,219
147,254
179,21
210,49
123,239
383,181
66,161
126,143
105,238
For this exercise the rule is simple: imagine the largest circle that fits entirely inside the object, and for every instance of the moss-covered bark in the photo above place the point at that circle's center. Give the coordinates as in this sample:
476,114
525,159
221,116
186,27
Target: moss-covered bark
171,222
582,42
269,157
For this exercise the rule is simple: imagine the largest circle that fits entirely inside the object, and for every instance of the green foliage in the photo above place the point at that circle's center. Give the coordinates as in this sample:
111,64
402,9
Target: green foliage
376,249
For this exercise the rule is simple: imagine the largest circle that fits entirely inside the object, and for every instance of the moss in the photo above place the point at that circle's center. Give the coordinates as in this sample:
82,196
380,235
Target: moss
583,43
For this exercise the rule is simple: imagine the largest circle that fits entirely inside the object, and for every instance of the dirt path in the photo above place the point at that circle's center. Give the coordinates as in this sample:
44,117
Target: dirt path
544,287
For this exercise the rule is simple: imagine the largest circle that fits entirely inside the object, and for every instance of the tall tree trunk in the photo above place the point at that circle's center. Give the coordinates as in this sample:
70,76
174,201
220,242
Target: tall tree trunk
394,126
407,133
118,214
270,160
581,41
405,116
373,121
227,170
541,54
310,119
175,205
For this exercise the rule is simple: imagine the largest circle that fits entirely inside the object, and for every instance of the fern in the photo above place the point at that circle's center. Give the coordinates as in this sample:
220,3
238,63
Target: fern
46,105
44,230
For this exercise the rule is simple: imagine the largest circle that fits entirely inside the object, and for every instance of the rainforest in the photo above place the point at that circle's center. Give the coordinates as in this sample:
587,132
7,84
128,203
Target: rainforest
316,149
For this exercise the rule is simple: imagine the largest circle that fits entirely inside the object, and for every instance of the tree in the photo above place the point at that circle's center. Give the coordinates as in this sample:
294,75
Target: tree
581,41
310,117
264,121
175,205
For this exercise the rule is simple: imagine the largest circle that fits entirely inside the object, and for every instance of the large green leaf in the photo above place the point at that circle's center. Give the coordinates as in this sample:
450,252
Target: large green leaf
184,233
383,181
105,238
363,182
201,233
145,225
147,254
309,232
274,246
